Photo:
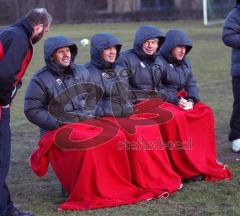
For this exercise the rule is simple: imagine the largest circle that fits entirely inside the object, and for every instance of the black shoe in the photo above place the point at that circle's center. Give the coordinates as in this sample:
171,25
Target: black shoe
193,179
15,212
197,178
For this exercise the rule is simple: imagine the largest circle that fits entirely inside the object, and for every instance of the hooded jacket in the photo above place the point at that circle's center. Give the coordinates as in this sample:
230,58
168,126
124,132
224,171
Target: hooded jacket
231,38
58,94
176,75
141,65
15,54
110,77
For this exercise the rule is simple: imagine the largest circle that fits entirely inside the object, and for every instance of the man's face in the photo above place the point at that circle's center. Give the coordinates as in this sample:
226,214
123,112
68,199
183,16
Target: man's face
39,31
179,52
62,56
109,54
150,46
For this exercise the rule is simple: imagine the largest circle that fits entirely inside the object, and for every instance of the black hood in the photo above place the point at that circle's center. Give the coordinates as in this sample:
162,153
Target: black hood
23,23
146,32
174,38
99,43
53,43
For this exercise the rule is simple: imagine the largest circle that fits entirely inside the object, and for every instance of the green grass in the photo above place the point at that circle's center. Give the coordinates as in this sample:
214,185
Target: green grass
211,62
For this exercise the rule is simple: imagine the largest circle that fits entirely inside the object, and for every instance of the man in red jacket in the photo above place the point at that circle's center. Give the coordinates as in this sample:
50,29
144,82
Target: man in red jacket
15,54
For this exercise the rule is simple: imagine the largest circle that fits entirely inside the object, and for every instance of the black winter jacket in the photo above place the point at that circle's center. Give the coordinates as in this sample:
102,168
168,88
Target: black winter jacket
144,74
111,78
176,75
231,38
15,55
58,95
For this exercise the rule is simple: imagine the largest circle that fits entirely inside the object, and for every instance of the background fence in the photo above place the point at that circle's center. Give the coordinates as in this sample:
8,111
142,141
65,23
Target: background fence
77,11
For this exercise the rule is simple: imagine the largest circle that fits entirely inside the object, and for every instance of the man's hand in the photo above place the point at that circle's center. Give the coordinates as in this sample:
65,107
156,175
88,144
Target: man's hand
184,104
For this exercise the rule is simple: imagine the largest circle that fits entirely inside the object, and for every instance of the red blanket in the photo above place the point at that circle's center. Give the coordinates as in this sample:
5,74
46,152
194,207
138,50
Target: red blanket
97,170
148,159
189,139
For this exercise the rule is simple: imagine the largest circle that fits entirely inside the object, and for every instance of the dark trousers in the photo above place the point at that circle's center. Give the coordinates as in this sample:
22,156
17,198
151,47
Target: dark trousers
235,118
5,151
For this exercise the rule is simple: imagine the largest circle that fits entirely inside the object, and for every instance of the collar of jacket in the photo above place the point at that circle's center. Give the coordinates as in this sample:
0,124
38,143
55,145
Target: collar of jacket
60,70
27,28
144,57
103,65
237,6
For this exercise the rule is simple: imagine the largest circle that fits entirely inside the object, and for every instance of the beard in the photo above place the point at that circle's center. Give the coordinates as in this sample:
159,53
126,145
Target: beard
38,37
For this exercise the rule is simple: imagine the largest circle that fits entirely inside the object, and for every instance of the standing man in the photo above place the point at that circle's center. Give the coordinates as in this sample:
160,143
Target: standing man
15,54
231,38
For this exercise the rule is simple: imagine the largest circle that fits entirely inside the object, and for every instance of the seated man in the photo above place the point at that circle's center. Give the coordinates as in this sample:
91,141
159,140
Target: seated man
192,117
141,58
109,76
176,71
49,101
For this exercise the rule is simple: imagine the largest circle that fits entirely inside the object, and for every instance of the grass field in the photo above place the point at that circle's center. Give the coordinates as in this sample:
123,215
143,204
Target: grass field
211,62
